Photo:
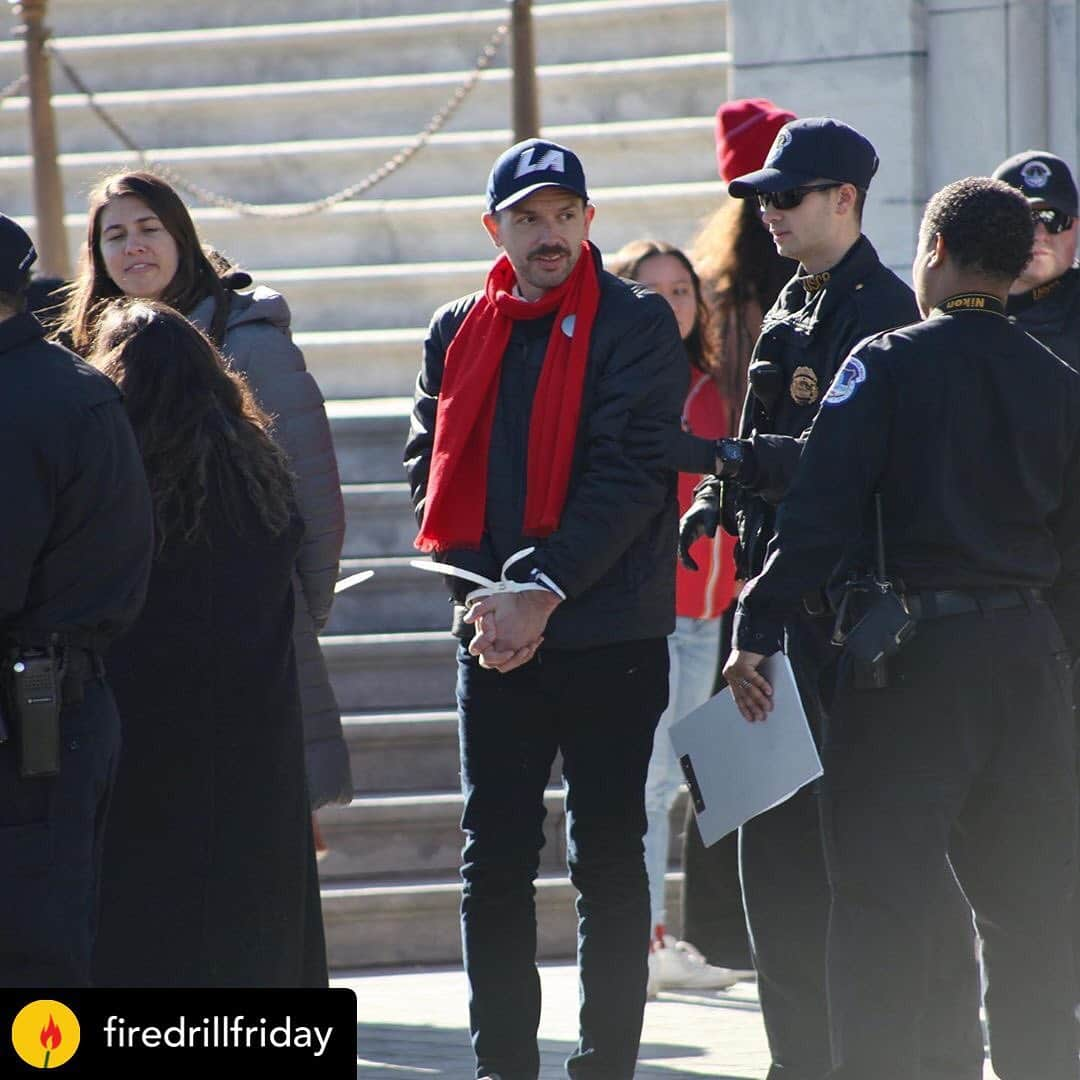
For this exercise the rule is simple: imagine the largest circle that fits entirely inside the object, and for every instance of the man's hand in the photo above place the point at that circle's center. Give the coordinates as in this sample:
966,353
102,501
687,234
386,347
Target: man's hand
510,627
702,519
750,688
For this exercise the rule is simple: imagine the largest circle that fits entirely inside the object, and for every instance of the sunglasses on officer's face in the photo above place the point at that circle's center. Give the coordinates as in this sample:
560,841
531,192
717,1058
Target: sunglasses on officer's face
1054,221
788,200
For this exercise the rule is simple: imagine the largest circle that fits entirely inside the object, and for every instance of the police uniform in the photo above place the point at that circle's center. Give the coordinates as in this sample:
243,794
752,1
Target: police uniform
969,749
805,337
1050,311
76,537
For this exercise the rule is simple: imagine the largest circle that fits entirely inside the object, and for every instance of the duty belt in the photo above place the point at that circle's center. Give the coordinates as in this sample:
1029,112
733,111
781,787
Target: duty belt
940,603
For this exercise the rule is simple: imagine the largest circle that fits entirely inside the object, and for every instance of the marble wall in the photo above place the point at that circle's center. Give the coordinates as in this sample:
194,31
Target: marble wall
943,88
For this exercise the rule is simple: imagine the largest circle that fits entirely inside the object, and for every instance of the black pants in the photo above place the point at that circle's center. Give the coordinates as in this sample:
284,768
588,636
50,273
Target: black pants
787,897
599,707
50,849
970,752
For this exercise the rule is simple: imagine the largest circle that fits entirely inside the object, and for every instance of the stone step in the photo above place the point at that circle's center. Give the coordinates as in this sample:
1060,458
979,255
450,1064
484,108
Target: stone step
369,436
380,837
372,363
378,672
124,16
397,925
453,163
378,520
415,751
590,92
397,599
391,45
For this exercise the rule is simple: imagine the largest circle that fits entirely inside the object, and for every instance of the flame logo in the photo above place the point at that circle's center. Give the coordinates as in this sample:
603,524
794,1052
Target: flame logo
51,1036
45,1034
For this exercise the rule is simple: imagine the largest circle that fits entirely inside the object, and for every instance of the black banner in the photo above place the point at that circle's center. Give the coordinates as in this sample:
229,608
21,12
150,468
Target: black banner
121,1033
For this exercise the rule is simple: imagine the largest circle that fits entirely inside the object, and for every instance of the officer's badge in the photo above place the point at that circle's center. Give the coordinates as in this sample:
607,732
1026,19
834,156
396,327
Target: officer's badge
804,386
1035,174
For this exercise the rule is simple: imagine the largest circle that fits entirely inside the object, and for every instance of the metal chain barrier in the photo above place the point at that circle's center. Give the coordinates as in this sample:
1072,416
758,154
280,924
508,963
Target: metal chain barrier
13,87
212,198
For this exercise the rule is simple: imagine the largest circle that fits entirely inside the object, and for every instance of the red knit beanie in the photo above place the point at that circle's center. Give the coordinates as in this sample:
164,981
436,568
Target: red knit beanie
745,129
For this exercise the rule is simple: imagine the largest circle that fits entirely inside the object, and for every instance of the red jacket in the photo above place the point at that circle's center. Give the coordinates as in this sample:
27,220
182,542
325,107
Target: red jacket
704,593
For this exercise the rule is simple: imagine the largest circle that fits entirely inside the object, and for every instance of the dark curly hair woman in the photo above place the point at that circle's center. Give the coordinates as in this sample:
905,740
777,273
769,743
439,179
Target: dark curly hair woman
209,875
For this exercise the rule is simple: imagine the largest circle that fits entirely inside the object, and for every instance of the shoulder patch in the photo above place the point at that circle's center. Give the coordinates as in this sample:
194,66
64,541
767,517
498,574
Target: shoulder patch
849,378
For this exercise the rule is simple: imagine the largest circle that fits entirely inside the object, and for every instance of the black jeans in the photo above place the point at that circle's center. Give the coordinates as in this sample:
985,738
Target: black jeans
787,897
599,708
969,752
51,832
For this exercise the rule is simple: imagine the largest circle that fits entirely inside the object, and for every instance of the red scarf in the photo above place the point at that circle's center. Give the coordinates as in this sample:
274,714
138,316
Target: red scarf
457,483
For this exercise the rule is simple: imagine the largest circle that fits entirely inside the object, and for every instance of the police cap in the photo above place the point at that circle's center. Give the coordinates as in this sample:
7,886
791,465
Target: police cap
1043,177
813,148
17,255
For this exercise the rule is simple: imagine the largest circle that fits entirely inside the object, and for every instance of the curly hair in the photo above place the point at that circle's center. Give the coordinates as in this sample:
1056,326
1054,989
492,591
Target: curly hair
700,344
198,274
196,422
985,225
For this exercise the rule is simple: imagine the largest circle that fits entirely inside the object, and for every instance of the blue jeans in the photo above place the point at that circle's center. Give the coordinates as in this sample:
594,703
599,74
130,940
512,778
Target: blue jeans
693,650
599,708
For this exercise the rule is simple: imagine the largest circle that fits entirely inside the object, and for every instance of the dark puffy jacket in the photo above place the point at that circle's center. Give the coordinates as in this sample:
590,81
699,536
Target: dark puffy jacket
613,553
1051,314
805,337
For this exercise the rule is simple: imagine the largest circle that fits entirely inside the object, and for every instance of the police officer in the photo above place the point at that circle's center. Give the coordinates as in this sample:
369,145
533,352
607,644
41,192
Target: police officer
1045,298
76,537
811,191
969,747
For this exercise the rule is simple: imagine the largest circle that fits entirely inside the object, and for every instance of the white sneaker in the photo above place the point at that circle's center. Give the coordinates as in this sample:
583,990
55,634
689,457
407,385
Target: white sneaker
679,966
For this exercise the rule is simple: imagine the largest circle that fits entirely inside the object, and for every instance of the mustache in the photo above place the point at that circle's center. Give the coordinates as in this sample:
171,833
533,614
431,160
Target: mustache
549,249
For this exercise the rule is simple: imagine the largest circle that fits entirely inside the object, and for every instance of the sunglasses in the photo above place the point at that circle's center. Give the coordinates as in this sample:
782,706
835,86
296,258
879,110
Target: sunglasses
1054,221
788,200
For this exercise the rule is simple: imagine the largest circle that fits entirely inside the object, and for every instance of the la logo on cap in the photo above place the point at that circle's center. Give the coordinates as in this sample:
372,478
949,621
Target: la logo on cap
553,161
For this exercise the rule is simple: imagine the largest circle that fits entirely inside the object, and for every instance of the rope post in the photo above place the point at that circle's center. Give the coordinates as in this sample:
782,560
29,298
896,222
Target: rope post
526,107
48,191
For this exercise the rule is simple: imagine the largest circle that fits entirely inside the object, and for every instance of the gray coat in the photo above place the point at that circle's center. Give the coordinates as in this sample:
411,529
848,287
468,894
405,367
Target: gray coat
258,344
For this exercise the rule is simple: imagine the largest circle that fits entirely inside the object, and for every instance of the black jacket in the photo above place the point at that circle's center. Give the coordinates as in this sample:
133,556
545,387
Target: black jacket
980,481
805,337
613,552
1051,313
75,530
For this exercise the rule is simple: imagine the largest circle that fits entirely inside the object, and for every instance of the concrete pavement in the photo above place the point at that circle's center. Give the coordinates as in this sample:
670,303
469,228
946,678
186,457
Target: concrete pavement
414,1024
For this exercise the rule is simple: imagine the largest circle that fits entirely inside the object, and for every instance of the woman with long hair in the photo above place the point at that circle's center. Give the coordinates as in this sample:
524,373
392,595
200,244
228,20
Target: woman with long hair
700,598
141,242
209,874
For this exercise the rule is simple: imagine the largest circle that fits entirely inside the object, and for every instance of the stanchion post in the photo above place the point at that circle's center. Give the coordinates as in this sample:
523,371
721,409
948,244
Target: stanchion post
526,108
48,190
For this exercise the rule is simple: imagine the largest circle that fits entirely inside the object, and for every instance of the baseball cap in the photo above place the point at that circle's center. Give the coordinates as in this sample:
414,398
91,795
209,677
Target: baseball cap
745,129
816,147
17,255
1043,177
529,166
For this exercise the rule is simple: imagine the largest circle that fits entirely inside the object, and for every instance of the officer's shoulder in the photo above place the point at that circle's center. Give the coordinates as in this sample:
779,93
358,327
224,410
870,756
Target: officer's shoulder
883,293
58,378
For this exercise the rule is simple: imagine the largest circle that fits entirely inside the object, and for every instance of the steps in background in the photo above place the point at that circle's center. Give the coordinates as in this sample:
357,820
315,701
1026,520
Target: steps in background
278,104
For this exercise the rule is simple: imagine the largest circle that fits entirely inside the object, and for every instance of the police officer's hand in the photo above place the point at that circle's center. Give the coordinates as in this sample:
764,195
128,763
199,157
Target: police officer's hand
749,687
702,519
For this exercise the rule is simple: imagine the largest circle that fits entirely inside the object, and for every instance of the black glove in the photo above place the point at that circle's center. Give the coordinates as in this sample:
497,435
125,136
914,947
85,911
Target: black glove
700,520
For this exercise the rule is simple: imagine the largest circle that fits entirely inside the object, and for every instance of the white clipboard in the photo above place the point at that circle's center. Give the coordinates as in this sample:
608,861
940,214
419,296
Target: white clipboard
737,769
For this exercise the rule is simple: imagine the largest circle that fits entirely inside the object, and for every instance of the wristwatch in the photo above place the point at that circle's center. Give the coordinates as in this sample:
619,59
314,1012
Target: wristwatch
729,458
